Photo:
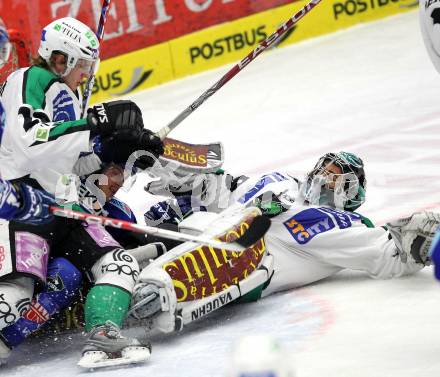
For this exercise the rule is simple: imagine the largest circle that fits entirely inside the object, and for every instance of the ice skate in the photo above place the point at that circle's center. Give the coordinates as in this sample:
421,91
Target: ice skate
106,347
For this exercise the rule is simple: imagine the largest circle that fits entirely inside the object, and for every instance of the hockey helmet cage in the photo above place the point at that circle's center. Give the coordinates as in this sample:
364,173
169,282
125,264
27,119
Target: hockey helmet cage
70,37
429,17
349,188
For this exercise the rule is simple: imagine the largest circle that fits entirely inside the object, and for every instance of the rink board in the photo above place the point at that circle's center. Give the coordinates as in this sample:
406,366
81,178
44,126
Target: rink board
228,43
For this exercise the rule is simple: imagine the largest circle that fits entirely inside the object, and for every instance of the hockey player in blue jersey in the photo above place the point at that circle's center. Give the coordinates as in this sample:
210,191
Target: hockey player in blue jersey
429,17
435,254
64,280
20,202
45,144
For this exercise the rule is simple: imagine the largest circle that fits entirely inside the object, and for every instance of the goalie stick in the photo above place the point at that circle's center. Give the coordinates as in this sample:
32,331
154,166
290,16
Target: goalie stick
256,231
91,80
267,43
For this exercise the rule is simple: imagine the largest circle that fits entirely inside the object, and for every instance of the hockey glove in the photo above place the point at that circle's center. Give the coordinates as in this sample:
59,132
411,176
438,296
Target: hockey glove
118,147
151,143
270,204
106,118
413,235
172,211
25,204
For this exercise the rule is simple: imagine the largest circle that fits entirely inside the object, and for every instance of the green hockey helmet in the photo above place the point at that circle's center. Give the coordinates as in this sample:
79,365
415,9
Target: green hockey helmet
339,179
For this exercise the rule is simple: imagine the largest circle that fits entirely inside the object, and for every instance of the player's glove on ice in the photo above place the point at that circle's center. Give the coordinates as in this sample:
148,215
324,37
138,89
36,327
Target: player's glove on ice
413,235
172,211
106,118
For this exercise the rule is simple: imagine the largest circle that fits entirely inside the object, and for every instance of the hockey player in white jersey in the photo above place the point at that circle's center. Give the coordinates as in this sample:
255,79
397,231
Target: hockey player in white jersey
19,202
41,145
217,191
45,135
305,243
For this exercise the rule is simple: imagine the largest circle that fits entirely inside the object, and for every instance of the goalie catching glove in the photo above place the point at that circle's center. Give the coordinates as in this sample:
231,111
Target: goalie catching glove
413,235
118,147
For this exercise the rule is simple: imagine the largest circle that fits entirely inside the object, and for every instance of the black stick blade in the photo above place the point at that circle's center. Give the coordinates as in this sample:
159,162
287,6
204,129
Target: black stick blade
257,230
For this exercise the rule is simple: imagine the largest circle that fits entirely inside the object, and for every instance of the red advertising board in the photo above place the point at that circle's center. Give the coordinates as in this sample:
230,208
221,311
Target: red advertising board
131,24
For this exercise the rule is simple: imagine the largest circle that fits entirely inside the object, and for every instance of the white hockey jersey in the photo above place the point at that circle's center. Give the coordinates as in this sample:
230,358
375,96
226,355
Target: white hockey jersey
42,137
310,243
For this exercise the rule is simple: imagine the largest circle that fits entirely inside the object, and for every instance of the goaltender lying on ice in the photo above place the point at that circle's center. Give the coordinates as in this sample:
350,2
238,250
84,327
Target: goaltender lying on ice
305,243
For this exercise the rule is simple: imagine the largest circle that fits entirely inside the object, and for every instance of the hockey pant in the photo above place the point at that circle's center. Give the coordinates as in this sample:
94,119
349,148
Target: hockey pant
111,269
62,286
24,252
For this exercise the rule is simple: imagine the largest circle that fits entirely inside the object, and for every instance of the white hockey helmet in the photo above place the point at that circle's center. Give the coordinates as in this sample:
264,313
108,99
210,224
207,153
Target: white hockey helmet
72,38
5,45
260,356
429,16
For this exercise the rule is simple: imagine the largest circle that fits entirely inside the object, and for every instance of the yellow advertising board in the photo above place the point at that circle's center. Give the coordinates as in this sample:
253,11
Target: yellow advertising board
230,42
133,71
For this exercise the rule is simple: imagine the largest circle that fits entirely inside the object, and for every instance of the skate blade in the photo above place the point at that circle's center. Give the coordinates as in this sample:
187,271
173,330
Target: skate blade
135,355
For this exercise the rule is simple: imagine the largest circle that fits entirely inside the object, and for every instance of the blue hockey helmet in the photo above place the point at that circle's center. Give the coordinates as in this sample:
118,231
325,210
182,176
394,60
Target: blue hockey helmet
5,45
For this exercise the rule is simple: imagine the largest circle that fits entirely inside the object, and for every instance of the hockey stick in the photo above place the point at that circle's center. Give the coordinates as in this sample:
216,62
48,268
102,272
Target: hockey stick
268,42
257,229
91,80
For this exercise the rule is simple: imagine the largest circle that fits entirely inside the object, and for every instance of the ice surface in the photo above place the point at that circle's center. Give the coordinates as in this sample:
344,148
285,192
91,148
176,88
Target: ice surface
371,90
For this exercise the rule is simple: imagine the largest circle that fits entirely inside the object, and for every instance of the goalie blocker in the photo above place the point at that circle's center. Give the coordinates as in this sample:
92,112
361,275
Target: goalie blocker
193,280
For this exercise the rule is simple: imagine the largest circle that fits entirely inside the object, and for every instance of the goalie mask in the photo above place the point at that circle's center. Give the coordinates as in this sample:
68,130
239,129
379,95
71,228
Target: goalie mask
429,17
337,180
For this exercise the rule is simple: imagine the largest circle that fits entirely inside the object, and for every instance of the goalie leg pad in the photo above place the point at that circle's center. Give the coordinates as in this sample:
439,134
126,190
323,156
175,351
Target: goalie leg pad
194,310
192,280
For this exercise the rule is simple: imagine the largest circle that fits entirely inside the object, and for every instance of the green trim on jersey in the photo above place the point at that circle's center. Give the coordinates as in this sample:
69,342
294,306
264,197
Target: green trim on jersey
74,207
36,82
64,128
366,221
